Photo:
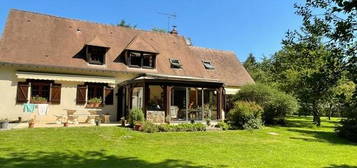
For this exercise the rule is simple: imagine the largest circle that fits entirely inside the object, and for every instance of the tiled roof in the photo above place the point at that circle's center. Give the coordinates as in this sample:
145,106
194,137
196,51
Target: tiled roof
31,38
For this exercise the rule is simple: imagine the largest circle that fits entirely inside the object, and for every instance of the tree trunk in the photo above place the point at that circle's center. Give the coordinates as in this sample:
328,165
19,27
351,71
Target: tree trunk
330,112
316,115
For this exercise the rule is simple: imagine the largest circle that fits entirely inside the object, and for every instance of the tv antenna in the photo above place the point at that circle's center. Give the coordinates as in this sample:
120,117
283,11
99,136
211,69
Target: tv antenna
169,17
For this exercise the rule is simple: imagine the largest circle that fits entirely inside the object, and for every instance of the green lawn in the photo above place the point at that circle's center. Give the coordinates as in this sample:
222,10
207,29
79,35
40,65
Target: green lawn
299,145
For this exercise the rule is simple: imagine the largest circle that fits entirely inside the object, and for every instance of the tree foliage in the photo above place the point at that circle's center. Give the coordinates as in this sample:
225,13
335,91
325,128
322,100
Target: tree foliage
317,63
123,23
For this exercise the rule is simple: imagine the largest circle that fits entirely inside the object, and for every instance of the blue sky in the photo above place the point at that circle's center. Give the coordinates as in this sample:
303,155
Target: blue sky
242,26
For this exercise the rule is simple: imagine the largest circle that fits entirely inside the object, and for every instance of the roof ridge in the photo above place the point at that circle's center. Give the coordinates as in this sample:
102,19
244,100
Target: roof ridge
214,49
92,22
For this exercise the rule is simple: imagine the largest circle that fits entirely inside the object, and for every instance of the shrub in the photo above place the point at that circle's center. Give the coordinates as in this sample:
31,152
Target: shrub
185,127
136,115
276,104
164,128
222,125
245,114
279,107
149,127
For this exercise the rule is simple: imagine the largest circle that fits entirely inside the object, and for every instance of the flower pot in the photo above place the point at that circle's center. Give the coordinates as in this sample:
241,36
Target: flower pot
93,105
4,124
65,124
31,125
97,122
138,127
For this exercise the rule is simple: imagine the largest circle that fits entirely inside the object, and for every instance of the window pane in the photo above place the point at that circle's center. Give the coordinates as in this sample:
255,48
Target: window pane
210,104
135,58
208,65
40,89
96,54
175,63
178,104
137,97
194,108
95,91
156,101
148,60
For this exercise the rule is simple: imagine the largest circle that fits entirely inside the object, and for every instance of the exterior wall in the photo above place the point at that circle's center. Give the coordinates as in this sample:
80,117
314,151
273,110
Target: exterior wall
11,110
231,90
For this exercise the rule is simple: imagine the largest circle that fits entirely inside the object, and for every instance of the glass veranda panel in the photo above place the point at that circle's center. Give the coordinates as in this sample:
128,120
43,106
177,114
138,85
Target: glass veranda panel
210,104
137,97
178,104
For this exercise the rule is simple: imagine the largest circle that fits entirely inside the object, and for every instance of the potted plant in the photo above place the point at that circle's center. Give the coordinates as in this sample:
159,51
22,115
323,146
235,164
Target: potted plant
94,102
122,120
31,123
38,100
97,122
208,121
136,118
138,126
4,123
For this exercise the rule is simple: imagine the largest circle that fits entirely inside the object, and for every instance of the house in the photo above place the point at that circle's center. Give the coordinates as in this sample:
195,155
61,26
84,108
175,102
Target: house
69,62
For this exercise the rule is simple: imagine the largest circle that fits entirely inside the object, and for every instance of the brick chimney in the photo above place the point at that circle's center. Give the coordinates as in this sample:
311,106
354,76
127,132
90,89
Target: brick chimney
174,31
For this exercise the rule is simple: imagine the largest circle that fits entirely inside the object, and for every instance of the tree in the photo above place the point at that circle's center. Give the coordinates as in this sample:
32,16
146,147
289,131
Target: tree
259,70
337,22
122,23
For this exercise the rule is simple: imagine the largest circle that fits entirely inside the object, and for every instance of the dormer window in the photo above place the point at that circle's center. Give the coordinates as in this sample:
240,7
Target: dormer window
208,64
95,54
175,63
140,59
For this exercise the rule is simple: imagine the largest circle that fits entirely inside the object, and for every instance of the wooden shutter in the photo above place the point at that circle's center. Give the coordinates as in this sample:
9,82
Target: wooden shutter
109,95
56,94
22,92
81,94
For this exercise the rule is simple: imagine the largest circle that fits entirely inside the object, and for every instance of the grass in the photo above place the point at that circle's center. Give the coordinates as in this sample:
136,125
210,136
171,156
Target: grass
299,144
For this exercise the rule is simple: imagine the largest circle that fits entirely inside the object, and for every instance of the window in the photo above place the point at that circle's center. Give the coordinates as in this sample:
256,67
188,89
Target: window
148,60
208,65
156,99
95,90
175,63
140,59
135,59
40,89
95,54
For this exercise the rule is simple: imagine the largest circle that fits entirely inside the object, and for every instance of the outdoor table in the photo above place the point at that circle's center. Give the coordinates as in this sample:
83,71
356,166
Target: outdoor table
91,117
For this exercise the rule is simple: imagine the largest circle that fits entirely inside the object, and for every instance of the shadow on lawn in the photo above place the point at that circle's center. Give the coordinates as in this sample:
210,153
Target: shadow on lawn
310,124
321,136
88,159
341,166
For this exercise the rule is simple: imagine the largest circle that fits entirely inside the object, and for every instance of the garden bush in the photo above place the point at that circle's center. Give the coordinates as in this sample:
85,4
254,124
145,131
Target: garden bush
245,115
276,104
185,127
223,125
136,115
150,127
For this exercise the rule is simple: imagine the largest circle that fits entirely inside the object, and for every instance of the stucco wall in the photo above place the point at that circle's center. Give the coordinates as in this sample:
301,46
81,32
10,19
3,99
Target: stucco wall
11,110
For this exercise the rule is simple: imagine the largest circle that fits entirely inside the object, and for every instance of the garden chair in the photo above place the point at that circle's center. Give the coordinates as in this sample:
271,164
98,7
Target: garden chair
71,118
